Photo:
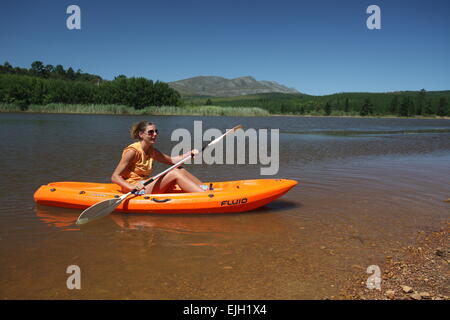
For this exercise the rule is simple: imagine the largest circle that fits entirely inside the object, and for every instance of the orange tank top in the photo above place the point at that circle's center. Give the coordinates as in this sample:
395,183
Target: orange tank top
141,166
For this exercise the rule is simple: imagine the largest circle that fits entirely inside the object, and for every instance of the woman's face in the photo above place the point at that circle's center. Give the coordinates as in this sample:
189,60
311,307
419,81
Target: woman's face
149,134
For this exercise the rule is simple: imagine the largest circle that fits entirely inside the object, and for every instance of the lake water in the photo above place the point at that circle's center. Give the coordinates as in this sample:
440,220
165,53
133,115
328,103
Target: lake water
366,187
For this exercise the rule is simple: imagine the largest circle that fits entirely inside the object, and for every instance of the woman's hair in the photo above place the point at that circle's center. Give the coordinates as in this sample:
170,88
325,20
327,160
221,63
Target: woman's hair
139,127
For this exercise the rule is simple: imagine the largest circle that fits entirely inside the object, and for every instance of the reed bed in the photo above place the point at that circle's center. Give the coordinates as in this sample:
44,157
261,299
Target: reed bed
121,109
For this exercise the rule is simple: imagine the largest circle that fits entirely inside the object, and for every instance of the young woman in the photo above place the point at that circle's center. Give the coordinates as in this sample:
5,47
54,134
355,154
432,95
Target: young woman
136,165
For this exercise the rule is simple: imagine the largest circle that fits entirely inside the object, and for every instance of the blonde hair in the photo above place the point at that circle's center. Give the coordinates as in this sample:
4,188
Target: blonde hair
139,127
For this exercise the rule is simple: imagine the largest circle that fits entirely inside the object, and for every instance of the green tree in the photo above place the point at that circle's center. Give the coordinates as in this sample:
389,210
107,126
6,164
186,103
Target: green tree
70,74
419,109
442,107
421,102
79,74
404,107
208,102
37,68
7,68
346,106
411,108
367,108
302,110
60,73
327,109
429,108
47,71
393,107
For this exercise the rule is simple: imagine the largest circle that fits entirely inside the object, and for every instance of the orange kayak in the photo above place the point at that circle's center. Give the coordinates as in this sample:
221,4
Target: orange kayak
225,197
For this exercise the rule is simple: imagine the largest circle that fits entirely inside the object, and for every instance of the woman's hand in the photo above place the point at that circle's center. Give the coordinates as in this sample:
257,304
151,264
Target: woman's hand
161,157
139,186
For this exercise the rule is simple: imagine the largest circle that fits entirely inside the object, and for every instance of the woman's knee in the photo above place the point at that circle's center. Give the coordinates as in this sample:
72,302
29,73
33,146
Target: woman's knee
182,171
174,174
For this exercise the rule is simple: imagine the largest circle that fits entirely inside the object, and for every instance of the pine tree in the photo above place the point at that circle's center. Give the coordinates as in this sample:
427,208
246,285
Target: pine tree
327,109
442,107
411,109
302,110
70,74
429,108
60,72
346,106
419,109
422,96
404,108
394,105
367,108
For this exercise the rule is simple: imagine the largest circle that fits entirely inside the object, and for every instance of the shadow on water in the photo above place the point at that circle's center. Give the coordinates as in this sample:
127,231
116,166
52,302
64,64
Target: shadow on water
279,205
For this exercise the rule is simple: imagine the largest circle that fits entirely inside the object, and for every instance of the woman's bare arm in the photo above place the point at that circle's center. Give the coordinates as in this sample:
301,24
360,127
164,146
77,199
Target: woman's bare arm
164,158
124,163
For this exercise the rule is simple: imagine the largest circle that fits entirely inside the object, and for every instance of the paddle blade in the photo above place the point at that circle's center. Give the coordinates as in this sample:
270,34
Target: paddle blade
237,127
98,210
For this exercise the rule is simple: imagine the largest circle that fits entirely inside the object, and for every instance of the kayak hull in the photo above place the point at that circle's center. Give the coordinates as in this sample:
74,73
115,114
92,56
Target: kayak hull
226,197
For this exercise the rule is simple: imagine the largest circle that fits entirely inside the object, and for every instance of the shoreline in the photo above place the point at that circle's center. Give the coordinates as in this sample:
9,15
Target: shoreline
218,113
417,272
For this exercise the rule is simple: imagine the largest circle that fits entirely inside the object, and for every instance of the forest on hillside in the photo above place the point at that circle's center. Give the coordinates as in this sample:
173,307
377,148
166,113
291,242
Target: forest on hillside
402,103
47,84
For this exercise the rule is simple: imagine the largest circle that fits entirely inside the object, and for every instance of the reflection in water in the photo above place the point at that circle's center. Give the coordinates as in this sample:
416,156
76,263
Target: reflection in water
215,229
58,217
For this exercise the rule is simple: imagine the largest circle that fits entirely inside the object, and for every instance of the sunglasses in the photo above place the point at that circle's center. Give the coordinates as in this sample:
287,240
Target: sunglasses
151,132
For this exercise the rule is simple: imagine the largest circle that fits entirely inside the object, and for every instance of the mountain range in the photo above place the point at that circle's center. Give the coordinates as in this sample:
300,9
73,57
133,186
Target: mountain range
221,87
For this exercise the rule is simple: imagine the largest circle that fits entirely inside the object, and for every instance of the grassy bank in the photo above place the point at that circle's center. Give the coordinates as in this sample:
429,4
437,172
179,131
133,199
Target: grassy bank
180,111
121,109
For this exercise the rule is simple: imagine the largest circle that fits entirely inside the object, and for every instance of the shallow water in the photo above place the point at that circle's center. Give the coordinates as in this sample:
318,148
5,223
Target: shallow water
366,187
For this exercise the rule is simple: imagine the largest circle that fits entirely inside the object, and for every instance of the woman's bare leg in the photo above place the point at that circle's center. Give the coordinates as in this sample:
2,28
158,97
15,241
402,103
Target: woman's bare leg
169,179
190,175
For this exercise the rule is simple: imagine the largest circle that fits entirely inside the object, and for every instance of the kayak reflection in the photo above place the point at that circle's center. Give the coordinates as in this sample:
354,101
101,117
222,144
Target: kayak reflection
264,221
57,217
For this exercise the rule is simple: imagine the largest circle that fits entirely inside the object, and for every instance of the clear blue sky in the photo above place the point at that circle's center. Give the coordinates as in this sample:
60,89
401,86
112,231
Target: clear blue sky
318,47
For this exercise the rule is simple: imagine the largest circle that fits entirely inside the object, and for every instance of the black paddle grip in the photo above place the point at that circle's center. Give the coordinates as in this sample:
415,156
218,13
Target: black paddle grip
144,183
